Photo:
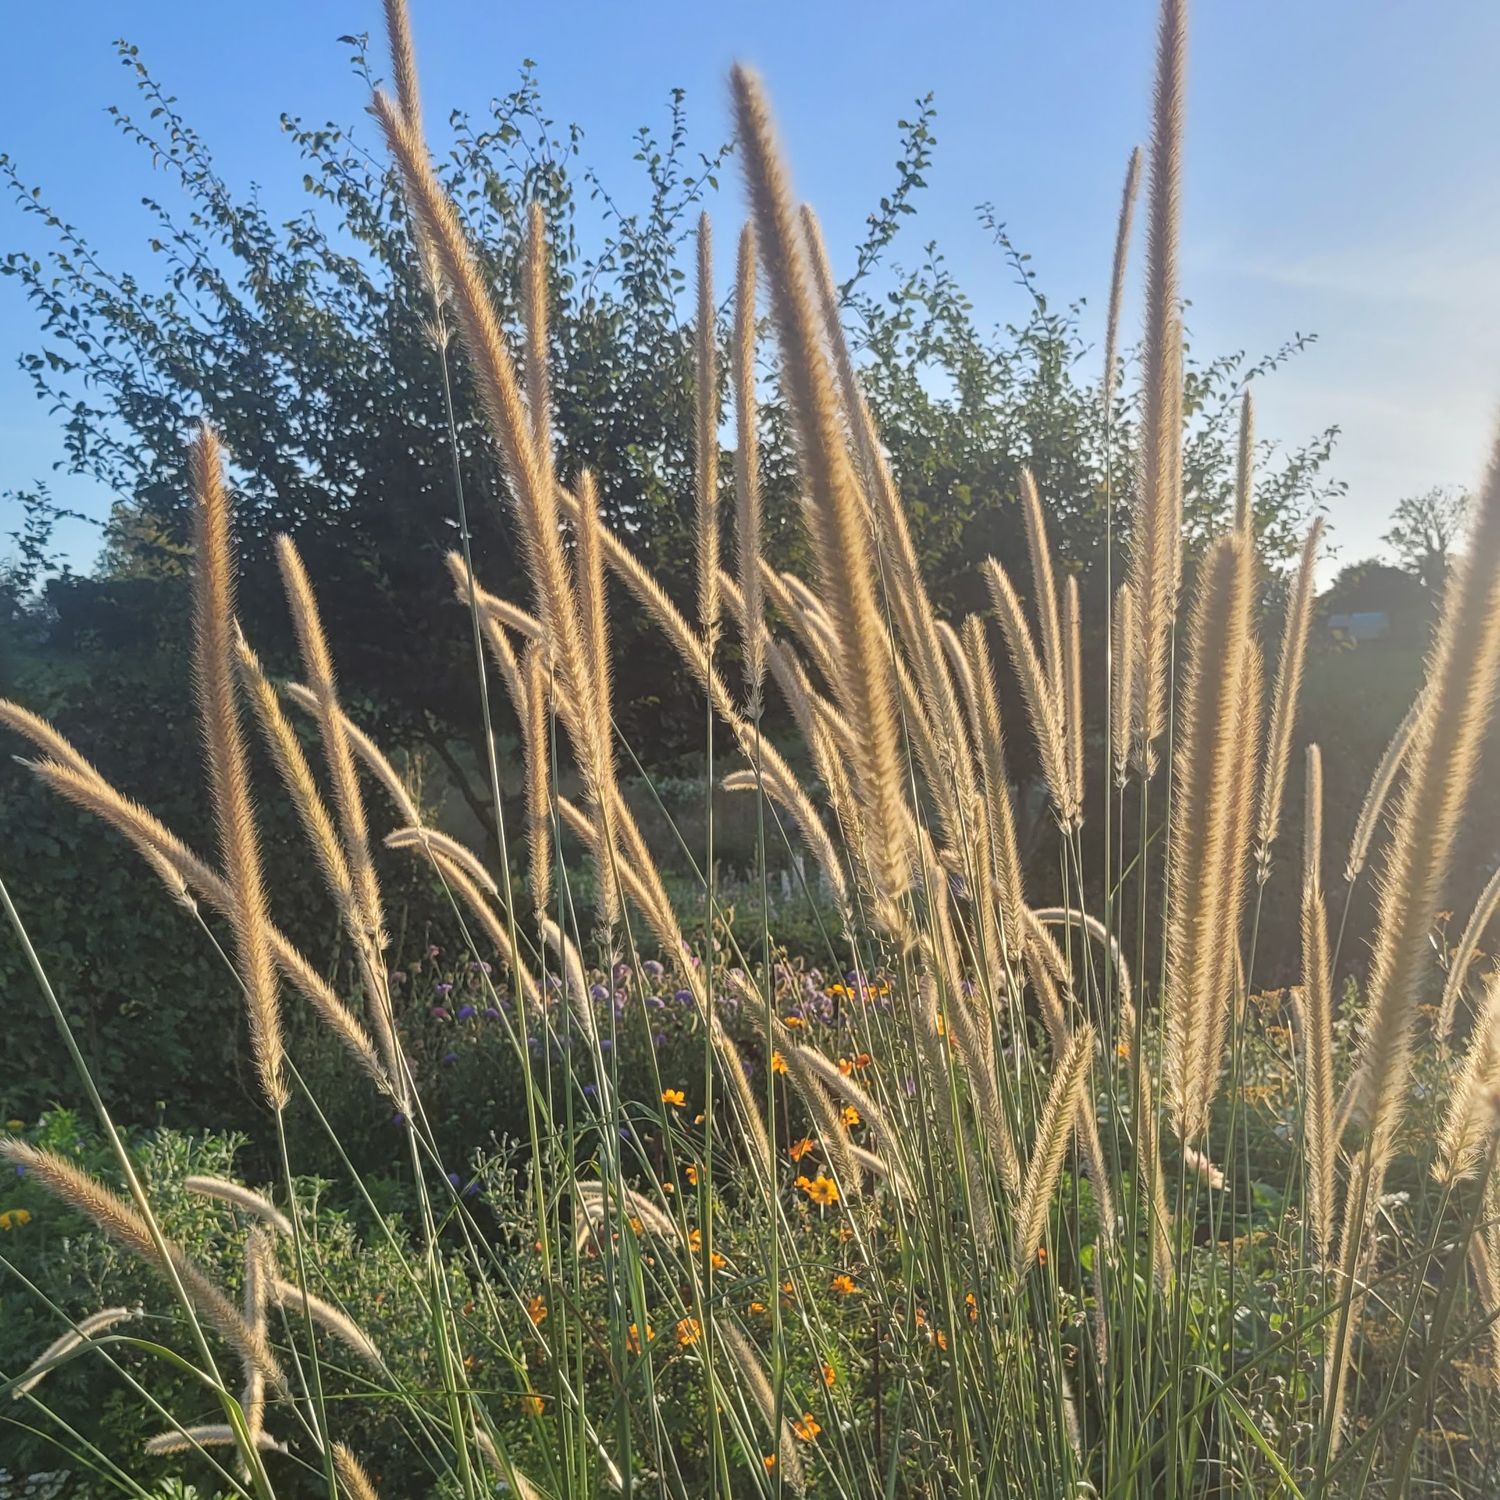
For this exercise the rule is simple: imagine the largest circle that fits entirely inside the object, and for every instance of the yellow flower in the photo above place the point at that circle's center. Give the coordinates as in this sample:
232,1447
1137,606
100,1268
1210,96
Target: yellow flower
851,1115
778,1063
536,1309
808,1428
675,1097
843,1284
533,1406
15,1124
15,1218
798,1149
691,1173
633,1338
822,1190
689,1331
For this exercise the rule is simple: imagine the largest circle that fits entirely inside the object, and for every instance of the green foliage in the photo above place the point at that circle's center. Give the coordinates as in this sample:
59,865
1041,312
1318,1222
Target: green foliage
157,1015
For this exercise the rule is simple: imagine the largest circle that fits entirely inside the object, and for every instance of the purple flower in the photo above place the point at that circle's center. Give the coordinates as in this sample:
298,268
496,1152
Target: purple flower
466,1013
605,1045
437,1012
653,969
590,1090
683,997
454,1178
598,993
442,988
491,1014
655,1002
622,973
450,1058
479,967
658,1038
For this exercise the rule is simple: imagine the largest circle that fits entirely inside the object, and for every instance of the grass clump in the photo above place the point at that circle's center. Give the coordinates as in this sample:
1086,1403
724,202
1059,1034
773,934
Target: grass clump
1001,1190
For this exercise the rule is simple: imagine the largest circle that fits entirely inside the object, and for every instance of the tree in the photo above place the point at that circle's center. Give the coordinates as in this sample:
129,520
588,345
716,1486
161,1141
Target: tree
309,345
1426,530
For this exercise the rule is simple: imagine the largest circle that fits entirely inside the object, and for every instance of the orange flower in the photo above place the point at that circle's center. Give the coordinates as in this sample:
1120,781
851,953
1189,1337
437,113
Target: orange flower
971,1304
863,1060
793,1021
843,1284
845,1066
717,1261
633,1337
851,1115
757,1308
689,1331
636,1225
770,1462
1041,1255
691,1173
822,1190
536,1309
695,1240
675,1097
778,1063
827,1374
798,1149
533,1406
808,1428
940,1338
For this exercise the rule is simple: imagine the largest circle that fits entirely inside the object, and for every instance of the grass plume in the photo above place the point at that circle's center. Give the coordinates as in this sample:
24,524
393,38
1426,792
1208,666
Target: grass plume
214,649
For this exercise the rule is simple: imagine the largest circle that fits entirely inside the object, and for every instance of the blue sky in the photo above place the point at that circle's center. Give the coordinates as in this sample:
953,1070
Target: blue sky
1343,165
